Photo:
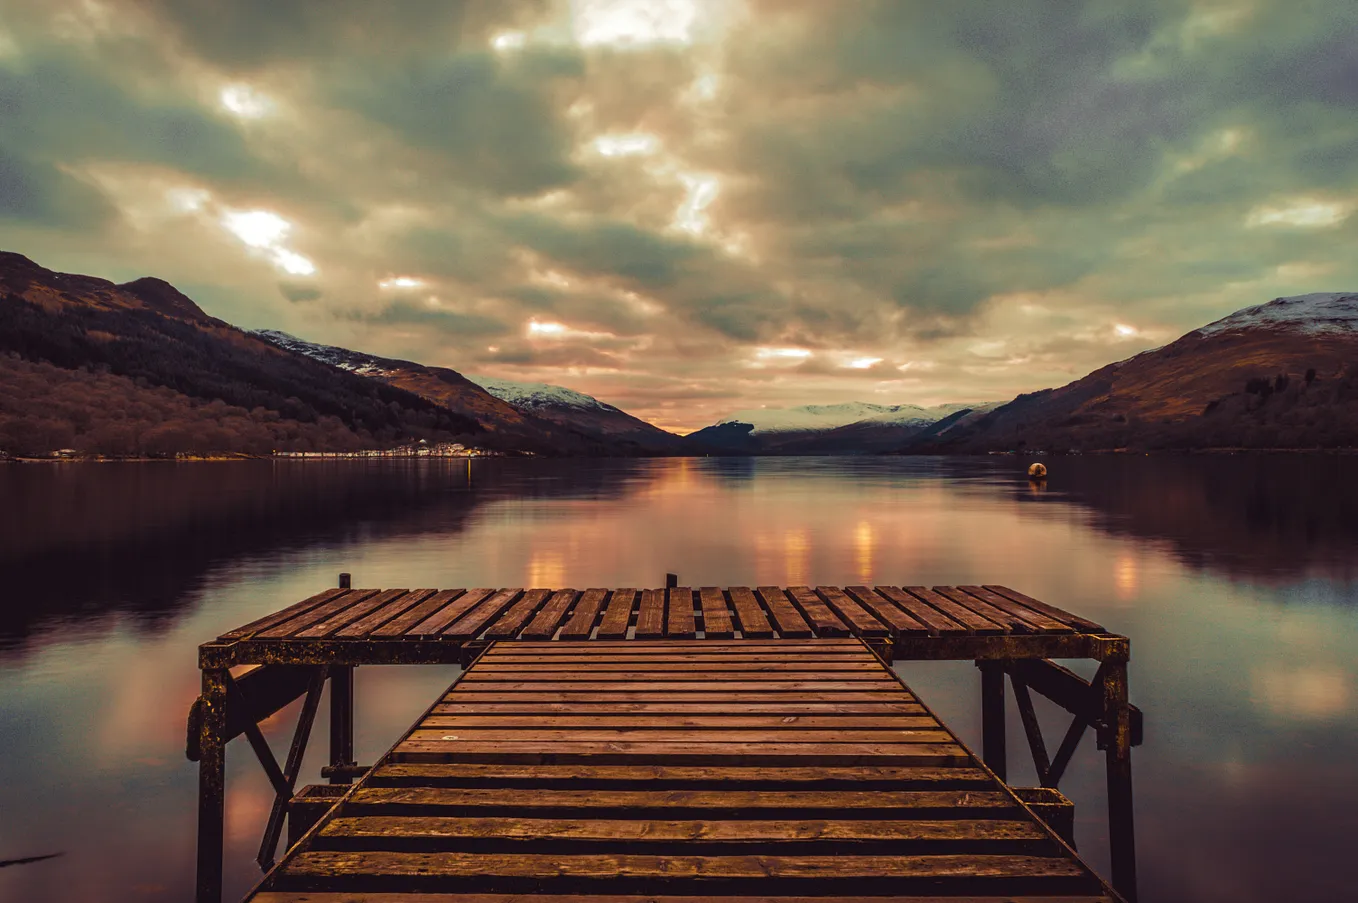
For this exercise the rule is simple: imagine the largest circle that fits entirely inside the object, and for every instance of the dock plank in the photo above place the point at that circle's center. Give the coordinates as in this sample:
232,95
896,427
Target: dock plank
545,622
1075,621
760,770
651,613
1033,617
786,618
754,624
350,613
937,623
716,617
680,622
581,622
470,625
315,615
812,607
973,622
897,621
368,624
518,614
282,615
437,622
617,617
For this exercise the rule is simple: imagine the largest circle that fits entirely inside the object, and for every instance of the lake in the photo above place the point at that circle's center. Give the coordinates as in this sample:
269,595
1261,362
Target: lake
1236,578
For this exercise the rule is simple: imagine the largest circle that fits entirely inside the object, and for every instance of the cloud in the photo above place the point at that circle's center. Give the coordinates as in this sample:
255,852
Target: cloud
883,180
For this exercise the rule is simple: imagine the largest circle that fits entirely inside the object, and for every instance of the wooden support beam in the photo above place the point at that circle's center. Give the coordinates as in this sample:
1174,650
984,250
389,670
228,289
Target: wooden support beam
1069,744
992,717
1121,835
211,748
341,721
1033,729
1071,691
291,768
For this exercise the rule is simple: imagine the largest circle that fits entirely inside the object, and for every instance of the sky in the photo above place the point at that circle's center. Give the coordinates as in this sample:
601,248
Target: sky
692,207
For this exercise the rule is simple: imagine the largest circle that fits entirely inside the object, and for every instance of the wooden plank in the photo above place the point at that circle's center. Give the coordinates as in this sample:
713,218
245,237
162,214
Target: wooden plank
892,777
954,803
634,646
680,623
676,665
512,621
651,614
963,615
550,737
581,622
716,618
1011,623
979,835
470,625
403,897
688,753
753,622
315,615
937,623
438,622
285,614
1037,619
822,620
764,696
1082,625
365,625
664,676
618,615
898,622
608,704
455,868
584,685
607,720
544,623
402,623
859,619
351,613
786,618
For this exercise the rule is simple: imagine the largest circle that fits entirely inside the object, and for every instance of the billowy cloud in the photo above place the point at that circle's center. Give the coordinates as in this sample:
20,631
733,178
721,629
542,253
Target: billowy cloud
705,205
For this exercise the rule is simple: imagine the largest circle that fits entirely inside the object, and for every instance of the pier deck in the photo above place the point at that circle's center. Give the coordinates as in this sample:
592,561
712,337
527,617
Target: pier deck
699,744
689,768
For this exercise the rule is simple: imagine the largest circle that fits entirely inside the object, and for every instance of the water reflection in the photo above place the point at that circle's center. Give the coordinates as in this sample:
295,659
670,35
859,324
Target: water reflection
1233,576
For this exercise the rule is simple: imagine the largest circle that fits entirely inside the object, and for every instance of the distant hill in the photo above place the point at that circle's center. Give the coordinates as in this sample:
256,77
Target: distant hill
522,426
848,428
138,368
567,407
1278,375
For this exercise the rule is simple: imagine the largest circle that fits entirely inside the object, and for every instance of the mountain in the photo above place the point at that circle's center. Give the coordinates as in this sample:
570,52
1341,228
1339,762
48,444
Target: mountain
139,368
848,428
538,417
1278,375
586,413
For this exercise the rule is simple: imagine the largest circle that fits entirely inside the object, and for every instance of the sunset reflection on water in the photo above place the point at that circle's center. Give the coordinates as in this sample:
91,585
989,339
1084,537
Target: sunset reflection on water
1239,598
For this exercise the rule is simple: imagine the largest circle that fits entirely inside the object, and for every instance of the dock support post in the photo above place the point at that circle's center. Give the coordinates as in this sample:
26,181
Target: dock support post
1117,724
992,717
341,721
211,785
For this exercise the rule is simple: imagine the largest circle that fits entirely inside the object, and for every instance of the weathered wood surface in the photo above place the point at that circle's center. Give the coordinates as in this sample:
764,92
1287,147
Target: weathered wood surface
712,613
759,770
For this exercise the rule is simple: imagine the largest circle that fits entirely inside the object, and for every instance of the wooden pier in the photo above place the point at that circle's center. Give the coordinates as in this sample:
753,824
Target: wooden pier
693,744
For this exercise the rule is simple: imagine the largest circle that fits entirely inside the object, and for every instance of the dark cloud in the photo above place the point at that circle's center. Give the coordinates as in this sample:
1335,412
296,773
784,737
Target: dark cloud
907,181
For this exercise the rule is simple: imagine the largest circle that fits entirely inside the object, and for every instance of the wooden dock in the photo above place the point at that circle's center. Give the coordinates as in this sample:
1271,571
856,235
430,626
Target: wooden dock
693,744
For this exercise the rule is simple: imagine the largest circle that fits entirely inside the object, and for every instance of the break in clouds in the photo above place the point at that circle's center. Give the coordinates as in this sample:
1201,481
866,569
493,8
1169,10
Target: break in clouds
688,207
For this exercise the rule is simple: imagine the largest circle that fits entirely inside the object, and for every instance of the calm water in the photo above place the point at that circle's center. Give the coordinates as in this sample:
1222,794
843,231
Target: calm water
1236,578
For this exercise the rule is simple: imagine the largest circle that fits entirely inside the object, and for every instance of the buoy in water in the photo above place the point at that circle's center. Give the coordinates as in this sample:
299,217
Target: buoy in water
1037,471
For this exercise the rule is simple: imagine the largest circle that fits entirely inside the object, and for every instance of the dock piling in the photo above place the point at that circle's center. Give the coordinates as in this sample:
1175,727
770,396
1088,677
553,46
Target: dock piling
992,718
341,723
211,785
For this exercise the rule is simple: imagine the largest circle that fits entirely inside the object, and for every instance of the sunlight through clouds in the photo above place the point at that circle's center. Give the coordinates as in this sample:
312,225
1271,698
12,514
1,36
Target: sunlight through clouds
265,231
1307,213
633,23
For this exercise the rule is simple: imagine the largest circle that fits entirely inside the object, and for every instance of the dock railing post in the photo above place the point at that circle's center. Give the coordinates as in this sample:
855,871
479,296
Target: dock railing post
211,785
341,721
1118,743
992,717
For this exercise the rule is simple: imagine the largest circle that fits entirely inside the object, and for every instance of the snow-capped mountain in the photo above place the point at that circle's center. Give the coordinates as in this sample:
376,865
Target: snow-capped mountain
1283,374
560,405
539,396
1313,314
353,361
832,416
847,428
